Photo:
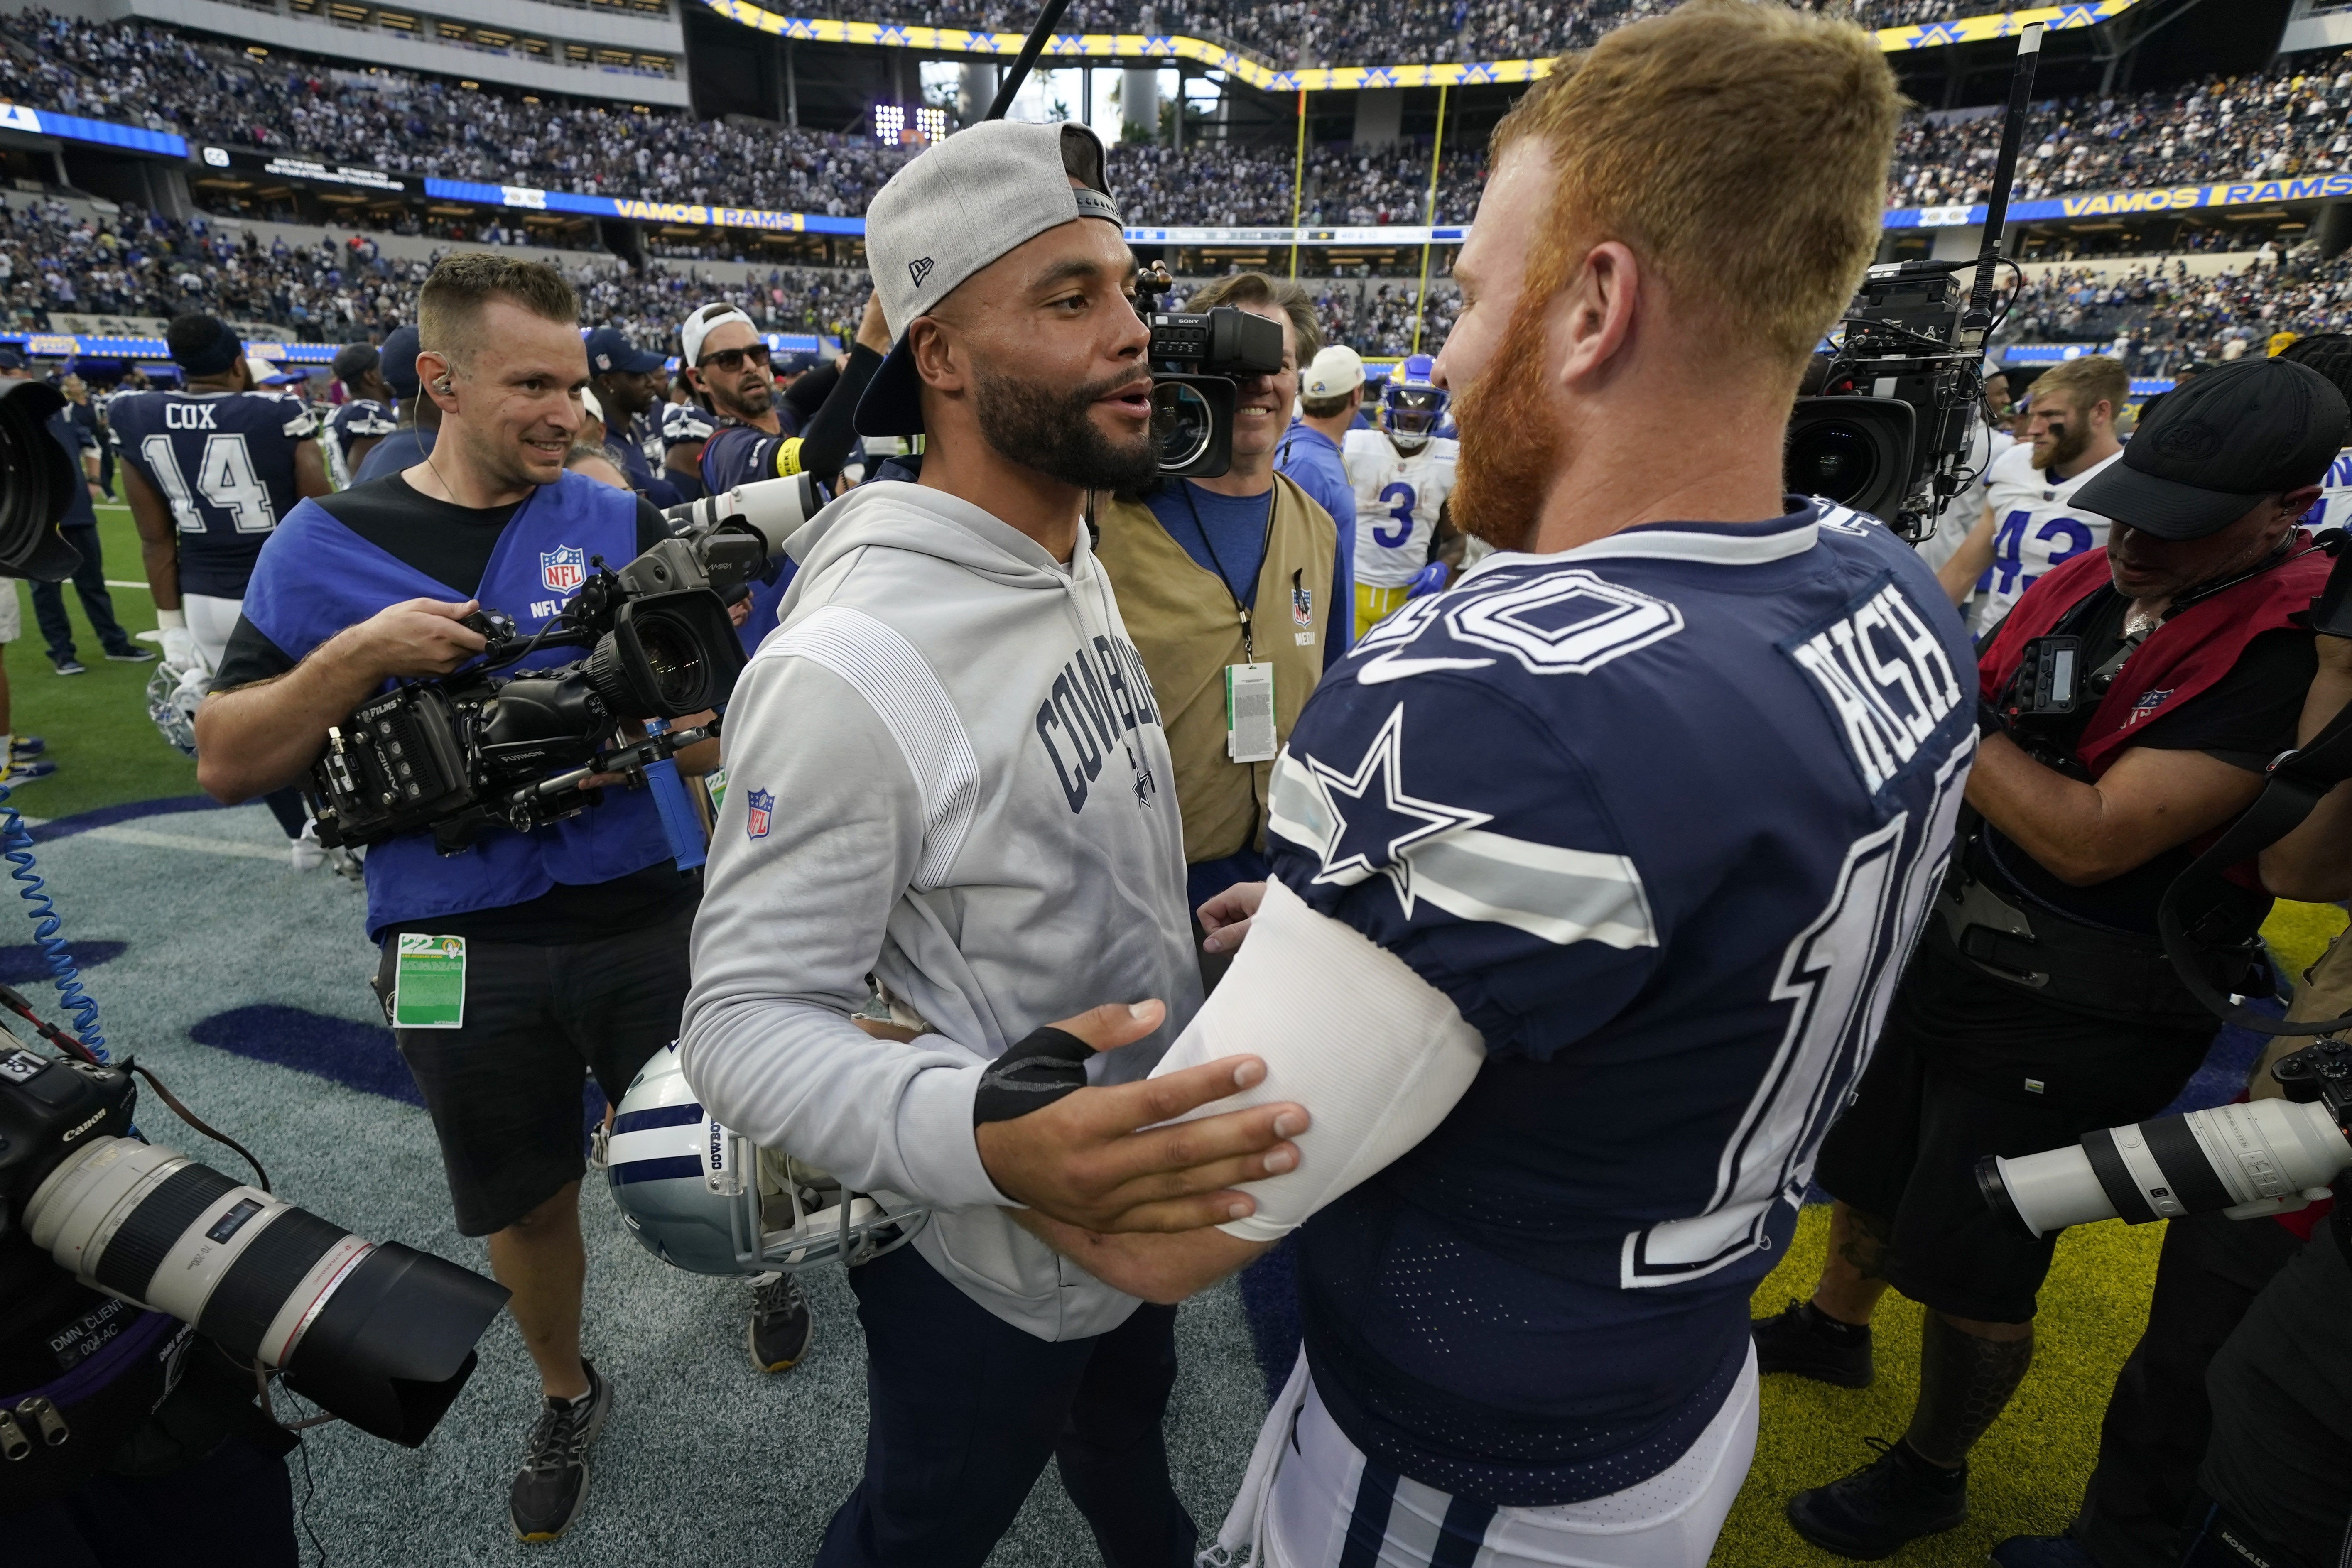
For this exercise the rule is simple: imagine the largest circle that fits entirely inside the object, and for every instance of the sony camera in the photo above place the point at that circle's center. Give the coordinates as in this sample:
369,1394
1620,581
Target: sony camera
1196,357
484,747
2264,1156
374,1331
1889,432
38,481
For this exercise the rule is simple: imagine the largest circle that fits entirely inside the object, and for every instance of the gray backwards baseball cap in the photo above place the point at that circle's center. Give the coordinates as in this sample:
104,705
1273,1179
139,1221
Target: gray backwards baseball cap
988,189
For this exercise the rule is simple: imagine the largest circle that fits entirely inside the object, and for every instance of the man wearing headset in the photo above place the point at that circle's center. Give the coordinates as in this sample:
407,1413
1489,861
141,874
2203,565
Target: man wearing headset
573,936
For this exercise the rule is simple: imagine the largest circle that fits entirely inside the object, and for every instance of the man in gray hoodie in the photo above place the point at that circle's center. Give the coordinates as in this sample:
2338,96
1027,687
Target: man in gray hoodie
949,781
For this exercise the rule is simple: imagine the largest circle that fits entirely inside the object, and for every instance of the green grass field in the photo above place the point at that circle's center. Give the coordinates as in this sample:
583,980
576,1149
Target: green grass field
97,726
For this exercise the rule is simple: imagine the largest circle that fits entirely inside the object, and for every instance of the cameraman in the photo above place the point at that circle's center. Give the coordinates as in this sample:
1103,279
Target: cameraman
574,934
1243,569
2041,1005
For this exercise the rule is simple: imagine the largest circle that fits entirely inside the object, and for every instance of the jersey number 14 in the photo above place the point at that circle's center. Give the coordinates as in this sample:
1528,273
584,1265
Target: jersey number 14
224,477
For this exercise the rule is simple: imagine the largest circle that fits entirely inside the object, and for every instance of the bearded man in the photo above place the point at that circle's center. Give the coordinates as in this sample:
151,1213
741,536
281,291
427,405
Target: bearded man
946,773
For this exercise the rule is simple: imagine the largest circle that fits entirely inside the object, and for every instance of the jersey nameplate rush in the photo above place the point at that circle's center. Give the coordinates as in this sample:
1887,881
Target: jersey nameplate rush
1662,815
2035,526
224,462
1397,502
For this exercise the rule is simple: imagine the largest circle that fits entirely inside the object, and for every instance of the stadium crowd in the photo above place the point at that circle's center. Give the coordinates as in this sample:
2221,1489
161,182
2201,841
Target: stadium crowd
2288,120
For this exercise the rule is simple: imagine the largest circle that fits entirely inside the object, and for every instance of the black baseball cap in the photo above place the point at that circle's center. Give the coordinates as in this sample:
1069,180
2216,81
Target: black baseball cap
2211,450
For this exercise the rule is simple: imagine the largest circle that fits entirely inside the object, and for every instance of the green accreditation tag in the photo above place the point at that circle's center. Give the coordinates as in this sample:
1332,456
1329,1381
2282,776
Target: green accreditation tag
428,983
715,783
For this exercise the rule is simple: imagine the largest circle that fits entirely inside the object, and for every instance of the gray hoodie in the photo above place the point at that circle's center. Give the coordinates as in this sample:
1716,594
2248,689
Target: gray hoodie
945,771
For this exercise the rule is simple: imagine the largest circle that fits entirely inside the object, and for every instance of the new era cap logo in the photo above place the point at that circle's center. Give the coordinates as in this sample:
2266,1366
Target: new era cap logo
918,269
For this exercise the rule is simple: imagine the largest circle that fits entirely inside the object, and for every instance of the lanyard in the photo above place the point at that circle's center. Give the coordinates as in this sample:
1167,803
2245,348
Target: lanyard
1242,607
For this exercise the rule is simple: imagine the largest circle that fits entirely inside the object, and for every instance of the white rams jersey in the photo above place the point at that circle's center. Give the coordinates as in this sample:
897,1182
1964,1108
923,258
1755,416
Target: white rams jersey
2333,508
2035,525
1397,503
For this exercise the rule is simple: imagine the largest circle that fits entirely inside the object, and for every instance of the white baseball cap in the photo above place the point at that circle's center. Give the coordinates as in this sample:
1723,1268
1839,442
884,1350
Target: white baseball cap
699,325
1335,372
957,206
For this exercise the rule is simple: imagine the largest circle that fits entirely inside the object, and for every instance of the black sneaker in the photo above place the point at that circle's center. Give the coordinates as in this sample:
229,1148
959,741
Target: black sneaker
72,667
1796,1341
781,1325
553,1481
1896,1498
2042,1551
129,655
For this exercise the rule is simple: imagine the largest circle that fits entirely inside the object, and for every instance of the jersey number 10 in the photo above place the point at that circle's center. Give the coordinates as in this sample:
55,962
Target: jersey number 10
224,478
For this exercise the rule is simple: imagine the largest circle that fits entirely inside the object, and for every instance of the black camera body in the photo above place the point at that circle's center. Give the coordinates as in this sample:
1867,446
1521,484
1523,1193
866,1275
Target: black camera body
1889,432
479,749
376,1333
1196,357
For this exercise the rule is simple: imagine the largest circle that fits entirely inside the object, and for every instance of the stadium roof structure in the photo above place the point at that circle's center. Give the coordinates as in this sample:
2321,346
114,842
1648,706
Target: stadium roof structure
1251,72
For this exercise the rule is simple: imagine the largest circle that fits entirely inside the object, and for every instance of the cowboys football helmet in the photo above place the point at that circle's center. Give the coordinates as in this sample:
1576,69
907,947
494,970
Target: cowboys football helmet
173,695
702,1197
1411,404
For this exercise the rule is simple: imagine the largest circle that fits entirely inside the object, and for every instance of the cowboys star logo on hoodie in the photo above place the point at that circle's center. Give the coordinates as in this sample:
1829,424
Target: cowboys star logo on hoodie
563,570
756,818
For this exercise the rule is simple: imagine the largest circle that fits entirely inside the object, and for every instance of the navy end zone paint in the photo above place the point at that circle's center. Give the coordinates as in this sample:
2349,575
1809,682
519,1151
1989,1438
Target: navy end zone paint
26,965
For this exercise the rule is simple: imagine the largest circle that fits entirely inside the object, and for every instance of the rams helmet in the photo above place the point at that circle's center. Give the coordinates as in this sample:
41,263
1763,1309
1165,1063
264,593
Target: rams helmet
1411,404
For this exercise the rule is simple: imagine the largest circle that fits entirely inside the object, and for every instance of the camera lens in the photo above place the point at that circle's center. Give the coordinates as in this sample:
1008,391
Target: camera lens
674,659
1835,461
380,1335
1182,424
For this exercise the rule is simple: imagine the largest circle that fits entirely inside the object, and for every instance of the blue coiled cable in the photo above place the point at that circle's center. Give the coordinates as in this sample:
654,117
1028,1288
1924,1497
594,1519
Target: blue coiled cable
16,844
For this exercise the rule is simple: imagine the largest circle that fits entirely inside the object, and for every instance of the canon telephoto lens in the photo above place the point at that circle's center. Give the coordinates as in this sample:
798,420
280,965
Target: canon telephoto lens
376,1333
2259,1157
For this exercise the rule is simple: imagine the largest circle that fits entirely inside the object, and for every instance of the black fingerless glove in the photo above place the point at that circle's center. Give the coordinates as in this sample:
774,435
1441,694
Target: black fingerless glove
1032,1074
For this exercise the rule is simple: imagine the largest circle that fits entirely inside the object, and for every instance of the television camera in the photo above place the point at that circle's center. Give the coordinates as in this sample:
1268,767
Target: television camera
497,744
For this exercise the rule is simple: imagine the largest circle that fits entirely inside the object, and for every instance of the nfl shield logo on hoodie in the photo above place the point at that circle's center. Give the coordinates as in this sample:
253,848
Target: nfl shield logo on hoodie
756,820
563,570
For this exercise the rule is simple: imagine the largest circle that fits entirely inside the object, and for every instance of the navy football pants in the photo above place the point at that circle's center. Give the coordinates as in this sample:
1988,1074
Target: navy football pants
964,1409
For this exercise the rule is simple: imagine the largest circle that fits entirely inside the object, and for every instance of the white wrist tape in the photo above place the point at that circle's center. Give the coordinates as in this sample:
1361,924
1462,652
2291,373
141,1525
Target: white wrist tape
1376,1054
171,621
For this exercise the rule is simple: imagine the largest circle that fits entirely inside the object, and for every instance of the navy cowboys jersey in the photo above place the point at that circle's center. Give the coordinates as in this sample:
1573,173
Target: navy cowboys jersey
1662,816
361,419
224,462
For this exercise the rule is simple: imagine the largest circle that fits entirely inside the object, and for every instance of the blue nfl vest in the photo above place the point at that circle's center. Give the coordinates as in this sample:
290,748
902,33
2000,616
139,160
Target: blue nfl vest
1662,816
316,577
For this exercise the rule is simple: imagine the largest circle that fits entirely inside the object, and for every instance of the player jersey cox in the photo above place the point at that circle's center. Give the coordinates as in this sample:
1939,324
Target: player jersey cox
1397,502
224,462
1662,816
2035,525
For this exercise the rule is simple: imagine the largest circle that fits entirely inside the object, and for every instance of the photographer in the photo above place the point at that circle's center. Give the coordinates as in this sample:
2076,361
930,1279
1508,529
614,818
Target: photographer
2041,1005
757,438
950,782
1242,570
573,937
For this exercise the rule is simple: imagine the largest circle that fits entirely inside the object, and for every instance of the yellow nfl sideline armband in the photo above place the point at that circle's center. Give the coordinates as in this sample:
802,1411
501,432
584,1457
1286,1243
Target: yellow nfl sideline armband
788,457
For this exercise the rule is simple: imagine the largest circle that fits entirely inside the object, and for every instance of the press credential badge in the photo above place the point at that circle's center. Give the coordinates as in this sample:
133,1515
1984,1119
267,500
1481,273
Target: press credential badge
428,982
1249,713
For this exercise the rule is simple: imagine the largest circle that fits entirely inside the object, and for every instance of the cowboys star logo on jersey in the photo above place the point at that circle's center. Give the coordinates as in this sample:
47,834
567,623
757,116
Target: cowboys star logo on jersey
563,570
759,814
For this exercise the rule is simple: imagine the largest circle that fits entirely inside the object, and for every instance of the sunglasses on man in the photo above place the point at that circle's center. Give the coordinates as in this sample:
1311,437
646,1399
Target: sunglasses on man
731,360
